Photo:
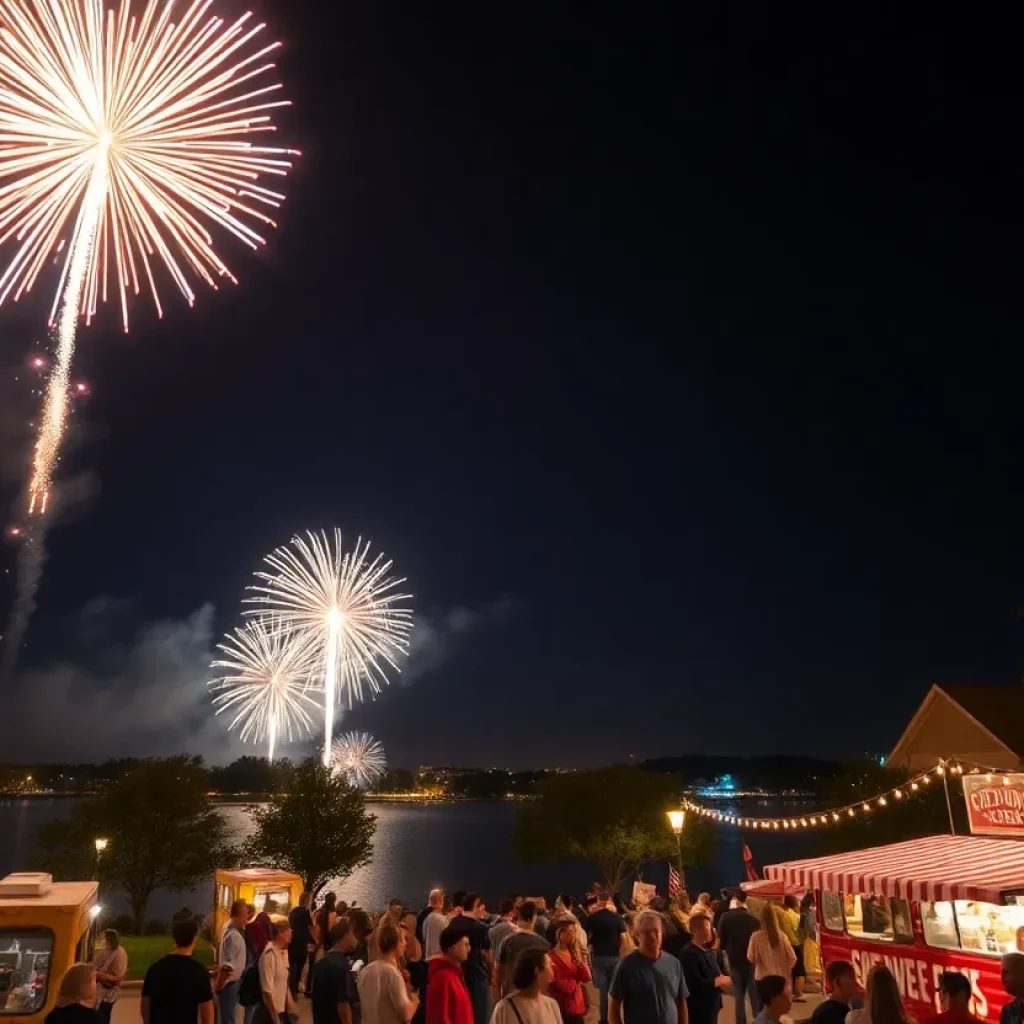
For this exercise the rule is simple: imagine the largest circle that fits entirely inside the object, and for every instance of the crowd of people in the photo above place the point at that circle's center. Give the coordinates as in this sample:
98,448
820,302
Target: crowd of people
527,963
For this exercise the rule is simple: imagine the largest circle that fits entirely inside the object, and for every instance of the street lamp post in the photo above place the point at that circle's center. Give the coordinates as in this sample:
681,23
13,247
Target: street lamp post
677,819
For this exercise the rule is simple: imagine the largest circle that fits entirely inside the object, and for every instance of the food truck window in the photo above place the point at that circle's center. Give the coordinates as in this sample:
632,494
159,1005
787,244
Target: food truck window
878,917
25,955
988,928
281,898
939,923
832,910
225,900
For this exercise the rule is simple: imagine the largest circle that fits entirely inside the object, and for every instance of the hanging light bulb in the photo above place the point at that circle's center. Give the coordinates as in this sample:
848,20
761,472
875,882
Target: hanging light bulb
882,801
898,794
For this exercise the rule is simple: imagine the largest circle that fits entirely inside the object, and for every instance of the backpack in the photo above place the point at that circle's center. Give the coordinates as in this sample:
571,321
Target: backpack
249,993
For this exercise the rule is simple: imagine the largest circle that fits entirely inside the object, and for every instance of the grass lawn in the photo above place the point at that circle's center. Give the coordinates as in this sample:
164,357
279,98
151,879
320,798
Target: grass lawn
144,950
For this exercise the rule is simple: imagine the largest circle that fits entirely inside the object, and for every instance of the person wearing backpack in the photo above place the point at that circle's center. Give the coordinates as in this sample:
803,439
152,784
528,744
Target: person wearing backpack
231,958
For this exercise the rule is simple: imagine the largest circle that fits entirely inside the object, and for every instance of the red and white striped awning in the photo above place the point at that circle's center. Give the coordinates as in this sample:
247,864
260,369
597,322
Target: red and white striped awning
933,868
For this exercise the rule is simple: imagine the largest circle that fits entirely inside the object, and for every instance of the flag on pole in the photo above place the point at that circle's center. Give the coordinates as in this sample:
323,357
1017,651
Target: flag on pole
675,886
748,863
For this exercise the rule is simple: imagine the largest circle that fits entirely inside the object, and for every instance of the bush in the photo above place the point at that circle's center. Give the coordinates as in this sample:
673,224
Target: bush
123,924
156,928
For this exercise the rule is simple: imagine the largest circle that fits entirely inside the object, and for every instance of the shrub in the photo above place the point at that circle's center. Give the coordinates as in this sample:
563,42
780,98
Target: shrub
156,928
123,924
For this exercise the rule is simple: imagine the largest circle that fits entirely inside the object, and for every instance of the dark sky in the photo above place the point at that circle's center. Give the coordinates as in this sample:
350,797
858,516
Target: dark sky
671,351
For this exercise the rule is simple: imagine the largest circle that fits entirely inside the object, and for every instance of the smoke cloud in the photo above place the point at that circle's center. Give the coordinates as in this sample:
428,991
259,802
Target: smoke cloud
436,637
144,697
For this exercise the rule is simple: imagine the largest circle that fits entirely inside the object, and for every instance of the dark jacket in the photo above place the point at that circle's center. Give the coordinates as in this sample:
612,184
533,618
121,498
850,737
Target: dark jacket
734,935
700,969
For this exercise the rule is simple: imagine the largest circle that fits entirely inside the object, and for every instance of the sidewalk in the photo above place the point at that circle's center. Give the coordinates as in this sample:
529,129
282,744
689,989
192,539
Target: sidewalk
126,1011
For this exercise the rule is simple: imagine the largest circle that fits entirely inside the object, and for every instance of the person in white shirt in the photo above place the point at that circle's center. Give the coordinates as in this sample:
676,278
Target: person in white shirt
274,977
384,994
527,1004
231,961
434,923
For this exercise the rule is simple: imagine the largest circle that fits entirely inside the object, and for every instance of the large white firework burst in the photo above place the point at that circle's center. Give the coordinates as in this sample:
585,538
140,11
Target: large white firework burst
267,684
359,757
344,606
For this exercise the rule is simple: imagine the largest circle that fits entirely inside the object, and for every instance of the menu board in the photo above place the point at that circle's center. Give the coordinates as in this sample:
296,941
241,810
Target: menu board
995,804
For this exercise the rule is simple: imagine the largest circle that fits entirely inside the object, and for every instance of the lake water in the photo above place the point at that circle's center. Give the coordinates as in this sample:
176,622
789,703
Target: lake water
466,845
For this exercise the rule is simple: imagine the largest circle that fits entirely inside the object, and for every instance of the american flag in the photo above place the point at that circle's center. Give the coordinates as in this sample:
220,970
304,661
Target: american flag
675,886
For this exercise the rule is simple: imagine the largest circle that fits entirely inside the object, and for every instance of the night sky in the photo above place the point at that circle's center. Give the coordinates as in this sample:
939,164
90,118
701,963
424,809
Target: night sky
671,351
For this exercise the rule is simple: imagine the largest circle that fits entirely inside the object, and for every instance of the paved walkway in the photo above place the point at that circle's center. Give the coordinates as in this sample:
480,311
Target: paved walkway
127,1009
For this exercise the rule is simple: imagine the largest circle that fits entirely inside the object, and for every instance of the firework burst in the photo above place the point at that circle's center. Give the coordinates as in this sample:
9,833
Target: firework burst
266,687
126,136
359,757
342,605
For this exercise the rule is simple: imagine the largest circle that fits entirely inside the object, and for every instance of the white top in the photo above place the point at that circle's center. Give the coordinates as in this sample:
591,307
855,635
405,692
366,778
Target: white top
274,976
434,924
231,952
770,961
382,994
543,1010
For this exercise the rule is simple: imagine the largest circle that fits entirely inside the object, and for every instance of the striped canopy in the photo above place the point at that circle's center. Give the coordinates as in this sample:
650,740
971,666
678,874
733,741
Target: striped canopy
933,868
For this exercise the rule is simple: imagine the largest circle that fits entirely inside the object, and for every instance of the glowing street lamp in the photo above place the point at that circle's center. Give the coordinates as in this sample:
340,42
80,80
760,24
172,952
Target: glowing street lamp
677,819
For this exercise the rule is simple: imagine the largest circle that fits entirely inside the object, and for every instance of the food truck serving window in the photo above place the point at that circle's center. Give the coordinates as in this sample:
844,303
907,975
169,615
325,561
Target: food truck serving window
25,955
974,926
882,918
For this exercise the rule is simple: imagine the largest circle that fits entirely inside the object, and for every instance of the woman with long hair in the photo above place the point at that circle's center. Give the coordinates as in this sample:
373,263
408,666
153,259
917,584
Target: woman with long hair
527,1003
111,964
769,950
883,1003
571,973
75,997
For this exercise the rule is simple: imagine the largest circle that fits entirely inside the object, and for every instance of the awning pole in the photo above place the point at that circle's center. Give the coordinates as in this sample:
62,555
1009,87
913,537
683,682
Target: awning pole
949,806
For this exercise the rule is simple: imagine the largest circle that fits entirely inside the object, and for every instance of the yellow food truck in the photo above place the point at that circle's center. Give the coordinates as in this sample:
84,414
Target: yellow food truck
45,927
255,886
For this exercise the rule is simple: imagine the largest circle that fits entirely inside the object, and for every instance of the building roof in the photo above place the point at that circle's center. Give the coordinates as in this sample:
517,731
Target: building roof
999,707
995,709
933,868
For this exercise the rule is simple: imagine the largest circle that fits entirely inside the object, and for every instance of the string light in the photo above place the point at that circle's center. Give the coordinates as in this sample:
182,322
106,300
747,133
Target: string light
912,785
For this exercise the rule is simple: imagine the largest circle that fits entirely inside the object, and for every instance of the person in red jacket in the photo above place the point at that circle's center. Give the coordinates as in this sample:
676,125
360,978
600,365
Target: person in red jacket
448,999
571,973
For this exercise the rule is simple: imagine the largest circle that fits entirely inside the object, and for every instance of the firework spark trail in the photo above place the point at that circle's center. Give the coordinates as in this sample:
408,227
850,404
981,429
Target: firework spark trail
344,606
55,405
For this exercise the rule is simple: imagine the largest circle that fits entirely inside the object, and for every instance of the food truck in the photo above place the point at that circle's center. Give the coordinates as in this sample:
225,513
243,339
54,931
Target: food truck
942,903
45,927
255,886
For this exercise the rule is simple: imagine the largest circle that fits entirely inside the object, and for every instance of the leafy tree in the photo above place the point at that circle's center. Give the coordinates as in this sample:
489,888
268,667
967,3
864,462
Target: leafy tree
613,817
320,829
251,774
162,832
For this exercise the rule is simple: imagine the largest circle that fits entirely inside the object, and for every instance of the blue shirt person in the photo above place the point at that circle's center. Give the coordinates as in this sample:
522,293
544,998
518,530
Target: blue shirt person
648,987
